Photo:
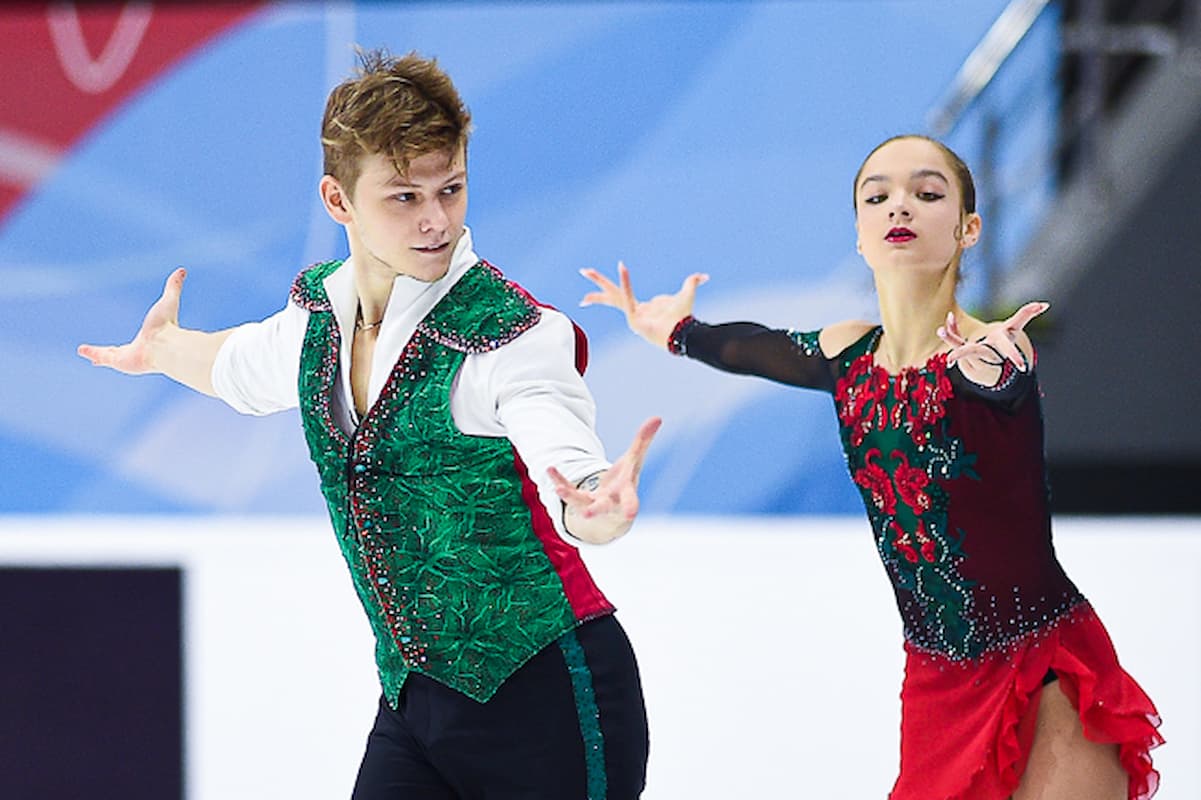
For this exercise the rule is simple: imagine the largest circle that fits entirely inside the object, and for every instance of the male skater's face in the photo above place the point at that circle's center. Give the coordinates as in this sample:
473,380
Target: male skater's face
408,224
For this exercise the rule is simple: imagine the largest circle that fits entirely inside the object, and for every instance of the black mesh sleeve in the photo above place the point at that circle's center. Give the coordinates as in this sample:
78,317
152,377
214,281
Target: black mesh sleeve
1010,390
747,348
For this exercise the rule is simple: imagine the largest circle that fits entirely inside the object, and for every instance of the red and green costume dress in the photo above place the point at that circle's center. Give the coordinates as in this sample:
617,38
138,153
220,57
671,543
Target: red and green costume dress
953,478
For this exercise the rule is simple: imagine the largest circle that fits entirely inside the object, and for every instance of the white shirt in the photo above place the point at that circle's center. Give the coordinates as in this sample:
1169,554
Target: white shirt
527,390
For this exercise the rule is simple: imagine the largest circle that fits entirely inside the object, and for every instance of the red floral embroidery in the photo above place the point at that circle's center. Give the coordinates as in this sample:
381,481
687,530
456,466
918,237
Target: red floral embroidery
904,545
858,399
927,403
905,500
918,399
874,478
927,544
900,541
911,484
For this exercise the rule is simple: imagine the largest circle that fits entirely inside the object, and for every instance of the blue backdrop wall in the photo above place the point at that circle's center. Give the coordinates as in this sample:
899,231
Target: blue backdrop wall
720,136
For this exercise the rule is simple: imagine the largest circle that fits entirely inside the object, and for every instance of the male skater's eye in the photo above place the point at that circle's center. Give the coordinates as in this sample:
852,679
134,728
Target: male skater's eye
454,188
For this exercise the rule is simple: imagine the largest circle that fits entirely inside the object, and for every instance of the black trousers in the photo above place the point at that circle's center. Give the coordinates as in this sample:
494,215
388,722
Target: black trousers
569,725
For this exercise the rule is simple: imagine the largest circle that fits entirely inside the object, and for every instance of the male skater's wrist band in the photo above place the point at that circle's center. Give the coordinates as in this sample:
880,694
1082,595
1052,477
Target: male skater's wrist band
677,342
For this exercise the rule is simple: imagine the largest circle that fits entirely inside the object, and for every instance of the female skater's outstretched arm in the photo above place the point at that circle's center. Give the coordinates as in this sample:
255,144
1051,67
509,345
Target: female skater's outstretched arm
745,348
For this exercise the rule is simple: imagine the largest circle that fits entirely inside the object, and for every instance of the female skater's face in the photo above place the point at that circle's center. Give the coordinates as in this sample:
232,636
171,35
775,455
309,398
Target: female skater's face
909,209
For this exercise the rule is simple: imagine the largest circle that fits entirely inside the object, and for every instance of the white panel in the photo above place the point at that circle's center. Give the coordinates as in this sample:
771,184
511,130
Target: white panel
770,648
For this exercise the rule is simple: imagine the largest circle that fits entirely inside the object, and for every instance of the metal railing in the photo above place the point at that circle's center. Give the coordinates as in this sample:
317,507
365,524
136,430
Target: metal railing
1090,38
982,64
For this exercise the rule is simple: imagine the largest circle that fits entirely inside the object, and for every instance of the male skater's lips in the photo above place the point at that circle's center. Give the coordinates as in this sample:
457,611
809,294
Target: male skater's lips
900,235
433,248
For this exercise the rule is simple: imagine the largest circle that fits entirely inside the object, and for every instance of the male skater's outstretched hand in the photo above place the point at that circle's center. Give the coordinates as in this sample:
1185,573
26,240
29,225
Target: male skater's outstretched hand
161,346
603,507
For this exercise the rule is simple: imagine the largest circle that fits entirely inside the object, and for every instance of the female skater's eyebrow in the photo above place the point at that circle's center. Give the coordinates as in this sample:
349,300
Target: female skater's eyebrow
929,173
917,174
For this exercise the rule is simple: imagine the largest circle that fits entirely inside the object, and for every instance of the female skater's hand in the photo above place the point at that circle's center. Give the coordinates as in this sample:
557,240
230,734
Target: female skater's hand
653,319
982,359
603,511
136,357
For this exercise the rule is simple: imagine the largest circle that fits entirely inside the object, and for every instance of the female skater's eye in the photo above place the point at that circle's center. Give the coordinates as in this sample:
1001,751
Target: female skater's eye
875,199
930,197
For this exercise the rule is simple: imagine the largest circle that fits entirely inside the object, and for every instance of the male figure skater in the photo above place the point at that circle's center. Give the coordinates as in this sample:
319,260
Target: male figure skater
454,439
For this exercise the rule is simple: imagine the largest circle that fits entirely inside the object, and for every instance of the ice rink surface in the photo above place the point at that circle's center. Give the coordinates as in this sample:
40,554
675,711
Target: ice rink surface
770,648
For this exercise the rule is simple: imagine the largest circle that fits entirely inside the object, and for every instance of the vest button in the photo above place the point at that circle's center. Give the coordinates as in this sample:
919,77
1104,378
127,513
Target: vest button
360,468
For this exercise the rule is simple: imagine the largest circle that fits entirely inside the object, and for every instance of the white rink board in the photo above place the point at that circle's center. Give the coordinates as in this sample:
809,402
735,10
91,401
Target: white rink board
770,648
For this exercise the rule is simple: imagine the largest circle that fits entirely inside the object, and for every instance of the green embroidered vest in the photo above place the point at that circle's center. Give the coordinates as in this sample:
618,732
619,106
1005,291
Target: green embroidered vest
454,559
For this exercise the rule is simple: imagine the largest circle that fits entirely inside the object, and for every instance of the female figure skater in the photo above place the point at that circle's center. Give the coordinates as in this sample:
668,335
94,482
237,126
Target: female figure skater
1012,687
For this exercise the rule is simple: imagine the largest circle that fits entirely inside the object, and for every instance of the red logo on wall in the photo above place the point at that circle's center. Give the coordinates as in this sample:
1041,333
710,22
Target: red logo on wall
66,66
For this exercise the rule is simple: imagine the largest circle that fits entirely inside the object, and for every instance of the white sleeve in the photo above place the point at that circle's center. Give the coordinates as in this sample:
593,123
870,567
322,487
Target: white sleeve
529,391
257,368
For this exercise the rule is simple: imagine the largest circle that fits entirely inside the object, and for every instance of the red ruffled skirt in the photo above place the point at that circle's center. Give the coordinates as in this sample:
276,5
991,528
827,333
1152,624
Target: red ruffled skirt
960,735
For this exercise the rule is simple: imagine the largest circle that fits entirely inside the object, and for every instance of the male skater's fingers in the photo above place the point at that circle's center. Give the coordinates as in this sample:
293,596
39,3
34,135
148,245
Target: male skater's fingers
166,308
642,442
563,487
569,494
99,356
629,505
174,285
584,502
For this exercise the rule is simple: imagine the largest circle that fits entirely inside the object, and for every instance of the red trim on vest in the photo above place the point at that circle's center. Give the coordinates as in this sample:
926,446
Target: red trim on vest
585,597
581,339
581,348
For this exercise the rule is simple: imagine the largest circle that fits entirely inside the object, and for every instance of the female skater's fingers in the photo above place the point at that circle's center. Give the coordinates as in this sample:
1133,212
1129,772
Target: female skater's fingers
599,279
971,350
950,336
601,298
626,287
688,289
1008,348
1021,318
953,328
609,294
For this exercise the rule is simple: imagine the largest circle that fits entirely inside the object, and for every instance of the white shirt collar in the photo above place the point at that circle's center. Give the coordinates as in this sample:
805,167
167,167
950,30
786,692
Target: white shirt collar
406,291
